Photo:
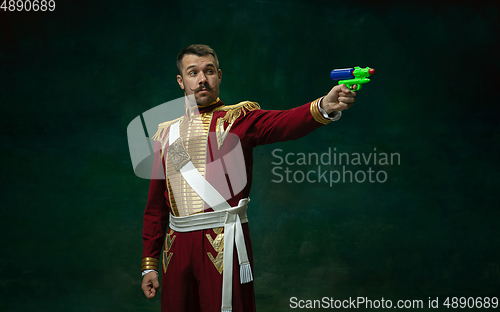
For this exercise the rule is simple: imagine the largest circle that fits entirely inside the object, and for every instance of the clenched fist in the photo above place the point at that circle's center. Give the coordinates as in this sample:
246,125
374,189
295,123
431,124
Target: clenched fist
339,98
150,284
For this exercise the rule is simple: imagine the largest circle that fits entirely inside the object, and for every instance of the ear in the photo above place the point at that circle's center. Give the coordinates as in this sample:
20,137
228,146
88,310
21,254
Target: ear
219,72
180,81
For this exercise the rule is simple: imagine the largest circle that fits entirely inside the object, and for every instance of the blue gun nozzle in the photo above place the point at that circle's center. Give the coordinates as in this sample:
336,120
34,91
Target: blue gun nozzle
342,74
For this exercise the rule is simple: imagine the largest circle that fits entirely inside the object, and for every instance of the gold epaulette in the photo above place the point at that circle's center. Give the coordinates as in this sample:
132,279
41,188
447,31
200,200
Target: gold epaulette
162,128
234,111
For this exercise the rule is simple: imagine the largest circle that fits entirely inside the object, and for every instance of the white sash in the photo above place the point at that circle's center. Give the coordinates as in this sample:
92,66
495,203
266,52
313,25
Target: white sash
233,232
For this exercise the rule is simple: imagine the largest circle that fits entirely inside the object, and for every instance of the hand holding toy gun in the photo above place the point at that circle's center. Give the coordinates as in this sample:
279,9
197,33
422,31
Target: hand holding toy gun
352,76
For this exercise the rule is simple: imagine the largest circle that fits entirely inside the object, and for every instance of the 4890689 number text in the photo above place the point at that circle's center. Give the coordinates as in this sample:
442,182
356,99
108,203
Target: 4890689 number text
28,5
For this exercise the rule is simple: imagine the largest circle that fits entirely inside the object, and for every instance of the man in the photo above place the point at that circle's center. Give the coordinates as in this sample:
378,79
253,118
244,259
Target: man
207,255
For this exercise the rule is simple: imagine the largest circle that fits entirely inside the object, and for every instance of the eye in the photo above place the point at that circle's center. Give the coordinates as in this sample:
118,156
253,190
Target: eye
210,71
192,73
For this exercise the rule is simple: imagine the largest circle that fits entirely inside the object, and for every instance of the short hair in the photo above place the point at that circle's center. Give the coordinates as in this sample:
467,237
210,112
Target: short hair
195,49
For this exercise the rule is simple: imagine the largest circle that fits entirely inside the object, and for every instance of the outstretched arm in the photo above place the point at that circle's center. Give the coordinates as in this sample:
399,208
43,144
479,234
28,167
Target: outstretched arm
270,126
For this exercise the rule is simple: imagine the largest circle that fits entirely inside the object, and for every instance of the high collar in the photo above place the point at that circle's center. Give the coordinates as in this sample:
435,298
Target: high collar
191,113
211,106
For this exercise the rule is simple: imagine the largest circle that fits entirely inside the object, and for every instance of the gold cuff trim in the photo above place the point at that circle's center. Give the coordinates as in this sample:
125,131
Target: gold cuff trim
317,114
149,263
150,259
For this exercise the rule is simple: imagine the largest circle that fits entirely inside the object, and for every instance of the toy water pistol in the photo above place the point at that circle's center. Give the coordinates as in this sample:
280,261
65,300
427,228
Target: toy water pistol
352,76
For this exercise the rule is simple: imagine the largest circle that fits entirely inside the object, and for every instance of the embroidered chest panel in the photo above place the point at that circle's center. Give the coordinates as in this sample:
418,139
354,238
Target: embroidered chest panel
194,133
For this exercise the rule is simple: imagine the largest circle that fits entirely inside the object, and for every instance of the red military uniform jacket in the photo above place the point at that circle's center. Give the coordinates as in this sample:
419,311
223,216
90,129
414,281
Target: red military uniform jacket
220,130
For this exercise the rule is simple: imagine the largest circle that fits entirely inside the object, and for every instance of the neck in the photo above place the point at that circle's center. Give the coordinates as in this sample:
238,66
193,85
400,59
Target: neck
210,106
193,111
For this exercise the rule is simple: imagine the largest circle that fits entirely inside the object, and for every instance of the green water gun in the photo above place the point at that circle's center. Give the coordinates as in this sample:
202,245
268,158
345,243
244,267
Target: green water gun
352,76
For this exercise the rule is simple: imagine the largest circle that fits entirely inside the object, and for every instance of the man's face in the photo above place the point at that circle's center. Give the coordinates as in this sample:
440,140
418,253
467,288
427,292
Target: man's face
200,77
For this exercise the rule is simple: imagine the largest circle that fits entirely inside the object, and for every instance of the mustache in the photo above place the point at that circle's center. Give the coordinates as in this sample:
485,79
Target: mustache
204,86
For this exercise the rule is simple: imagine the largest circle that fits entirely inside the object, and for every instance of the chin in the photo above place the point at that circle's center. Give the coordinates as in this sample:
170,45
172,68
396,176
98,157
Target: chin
204,101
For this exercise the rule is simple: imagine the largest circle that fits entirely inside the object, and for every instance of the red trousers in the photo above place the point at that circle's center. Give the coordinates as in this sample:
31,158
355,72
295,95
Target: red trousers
192,273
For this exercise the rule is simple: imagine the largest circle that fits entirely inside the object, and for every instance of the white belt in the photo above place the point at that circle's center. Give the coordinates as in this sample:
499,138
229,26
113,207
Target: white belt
207,220
223,215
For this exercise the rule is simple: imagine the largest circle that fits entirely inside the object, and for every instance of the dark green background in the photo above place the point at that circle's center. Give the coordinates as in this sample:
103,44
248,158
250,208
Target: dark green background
72,80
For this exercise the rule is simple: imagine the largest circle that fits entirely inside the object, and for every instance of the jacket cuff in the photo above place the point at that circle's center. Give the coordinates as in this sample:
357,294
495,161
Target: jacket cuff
149,263
148,271
333,116
317,115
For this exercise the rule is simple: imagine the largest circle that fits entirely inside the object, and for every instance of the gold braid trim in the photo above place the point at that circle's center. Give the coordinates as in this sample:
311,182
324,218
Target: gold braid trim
162,129
149,263
317,115
234,111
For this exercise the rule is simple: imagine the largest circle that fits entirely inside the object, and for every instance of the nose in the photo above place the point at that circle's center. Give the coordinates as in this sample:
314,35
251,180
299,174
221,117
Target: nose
203,78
